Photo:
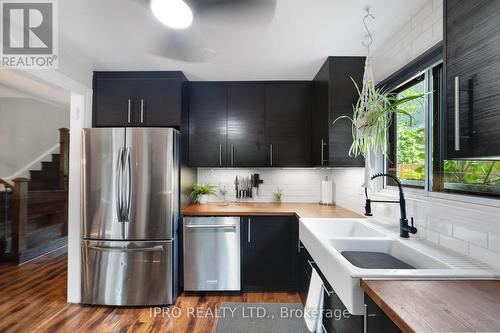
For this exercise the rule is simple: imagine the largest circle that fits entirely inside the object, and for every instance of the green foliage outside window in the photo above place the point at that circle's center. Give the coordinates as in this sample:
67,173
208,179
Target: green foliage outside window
411,136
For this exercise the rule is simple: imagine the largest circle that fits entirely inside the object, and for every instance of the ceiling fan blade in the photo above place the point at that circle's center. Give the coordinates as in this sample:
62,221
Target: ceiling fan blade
240,13
182,46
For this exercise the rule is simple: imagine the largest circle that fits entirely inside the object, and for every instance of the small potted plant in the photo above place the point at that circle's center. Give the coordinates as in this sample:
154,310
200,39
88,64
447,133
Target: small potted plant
278,195
199,193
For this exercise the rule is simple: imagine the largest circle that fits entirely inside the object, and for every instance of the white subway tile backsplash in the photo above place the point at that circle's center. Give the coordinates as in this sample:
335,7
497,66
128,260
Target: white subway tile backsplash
432,236
494,242
437,29
454,244
423,42
437,4
477,237
429,21
484,255
422,31
425,12
439,225
297,185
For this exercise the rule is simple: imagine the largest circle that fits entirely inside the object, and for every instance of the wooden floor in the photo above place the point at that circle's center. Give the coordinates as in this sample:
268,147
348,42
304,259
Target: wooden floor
33,299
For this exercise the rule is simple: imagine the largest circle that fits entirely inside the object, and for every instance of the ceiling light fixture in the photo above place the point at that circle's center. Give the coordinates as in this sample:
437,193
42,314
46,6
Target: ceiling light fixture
173,13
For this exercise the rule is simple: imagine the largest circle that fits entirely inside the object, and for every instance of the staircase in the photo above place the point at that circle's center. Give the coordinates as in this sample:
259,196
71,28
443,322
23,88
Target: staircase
34,211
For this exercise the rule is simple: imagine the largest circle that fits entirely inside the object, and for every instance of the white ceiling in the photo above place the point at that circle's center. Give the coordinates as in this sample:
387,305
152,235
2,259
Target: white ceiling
288,39
17,84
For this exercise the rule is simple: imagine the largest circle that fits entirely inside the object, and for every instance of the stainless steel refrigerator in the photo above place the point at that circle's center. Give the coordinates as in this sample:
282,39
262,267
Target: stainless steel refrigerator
130,216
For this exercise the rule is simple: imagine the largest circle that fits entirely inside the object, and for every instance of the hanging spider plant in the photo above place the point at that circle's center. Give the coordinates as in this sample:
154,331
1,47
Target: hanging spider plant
372,116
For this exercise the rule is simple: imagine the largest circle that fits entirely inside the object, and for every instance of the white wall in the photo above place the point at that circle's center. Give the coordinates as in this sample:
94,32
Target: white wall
28,129
449,220
421,32
298,185
80,118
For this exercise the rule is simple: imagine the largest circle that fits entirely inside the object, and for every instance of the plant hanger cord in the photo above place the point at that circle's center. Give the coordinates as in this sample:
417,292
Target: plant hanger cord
368,85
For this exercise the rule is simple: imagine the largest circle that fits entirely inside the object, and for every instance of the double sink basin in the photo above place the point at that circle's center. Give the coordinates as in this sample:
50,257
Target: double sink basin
347,250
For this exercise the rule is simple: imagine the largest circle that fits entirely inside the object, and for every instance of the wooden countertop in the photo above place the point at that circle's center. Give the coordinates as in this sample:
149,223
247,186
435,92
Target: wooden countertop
438,306
245,209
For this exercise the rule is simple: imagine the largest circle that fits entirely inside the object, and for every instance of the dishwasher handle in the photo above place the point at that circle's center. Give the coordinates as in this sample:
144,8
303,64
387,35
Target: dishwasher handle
211,226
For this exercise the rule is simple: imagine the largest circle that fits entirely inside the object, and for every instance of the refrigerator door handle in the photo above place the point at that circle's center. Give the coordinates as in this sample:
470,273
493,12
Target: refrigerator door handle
158,248
128,187
118,185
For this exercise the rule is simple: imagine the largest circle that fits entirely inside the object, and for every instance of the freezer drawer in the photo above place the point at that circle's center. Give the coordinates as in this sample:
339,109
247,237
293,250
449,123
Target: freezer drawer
212,253
127,273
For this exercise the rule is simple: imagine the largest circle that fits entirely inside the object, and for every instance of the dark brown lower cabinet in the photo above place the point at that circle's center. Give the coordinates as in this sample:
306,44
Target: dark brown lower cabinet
376,319
336,318
270,248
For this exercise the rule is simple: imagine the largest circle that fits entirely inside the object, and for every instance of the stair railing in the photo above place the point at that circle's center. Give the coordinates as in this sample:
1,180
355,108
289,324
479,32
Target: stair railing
63,158
19,217
5,211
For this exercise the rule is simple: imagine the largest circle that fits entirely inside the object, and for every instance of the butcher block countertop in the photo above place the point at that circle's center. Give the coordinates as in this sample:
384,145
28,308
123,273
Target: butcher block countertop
438,306
304,210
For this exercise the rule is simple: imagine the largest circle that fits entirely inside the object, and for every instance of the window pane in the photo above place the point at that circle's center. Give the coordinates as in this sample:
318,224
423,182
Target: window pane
410,147
479,177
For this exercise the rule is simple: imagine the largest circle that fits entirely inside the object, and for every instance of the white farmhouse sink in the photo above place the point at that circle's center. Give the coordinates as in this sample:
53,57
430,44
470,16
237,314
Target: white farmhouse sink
326,239
346,228
395,248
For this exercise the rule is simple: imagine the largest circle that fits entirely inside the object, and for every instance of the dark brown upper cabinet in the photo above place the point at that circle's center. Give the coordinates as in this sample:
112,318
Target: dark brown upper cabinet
132,99
250,124
288,124
334,95
246,124
208,124
472,76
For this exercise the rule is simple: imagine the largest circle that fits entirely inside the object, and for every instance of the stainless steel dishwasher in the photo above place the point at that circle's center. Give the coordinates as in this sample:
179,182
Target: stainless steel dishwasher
212,253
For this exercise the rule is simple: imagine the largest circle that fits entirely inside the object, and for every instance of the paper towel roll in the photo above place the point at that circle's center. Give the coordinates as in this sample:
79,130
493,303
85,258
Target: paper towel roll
326,192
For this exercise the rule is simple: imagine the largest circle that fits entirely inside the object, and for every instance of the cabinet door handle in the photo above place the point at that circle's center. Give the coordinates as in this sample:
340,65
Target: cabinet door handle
323,144
249,238
142,111
129,113
232,155
220,154
271,154
365,319
457,113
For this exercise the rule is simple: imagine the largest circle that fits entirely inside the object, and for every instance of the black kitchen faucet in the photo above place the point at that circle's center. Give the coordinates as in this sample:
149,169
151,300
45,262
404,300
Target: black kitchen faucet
404,228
